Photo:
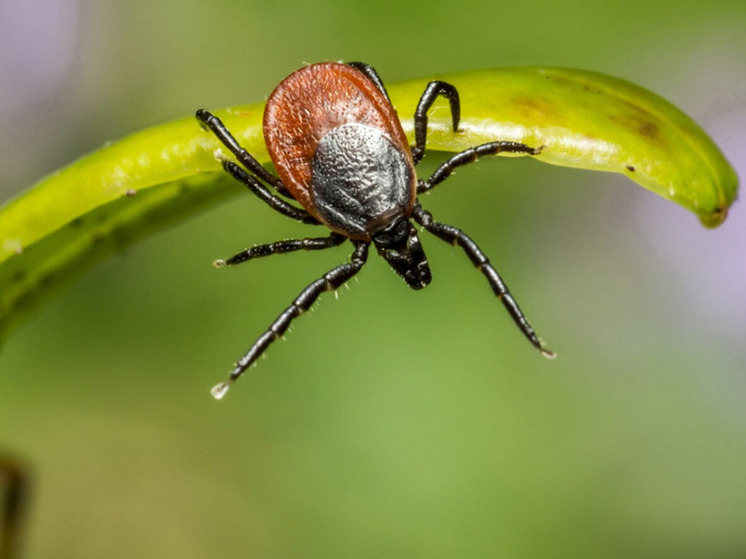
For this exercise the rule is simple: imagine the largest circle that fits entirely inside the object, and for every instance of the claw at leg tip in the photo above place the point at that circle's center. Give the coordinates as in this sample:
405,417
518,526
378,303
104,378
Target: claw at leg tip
220,390
547,353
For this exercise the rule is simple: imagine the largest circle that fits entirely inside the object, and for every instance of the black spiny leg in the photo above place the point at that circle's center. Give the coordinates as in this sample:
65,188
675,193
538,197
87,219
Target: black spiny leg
216,126
330,281
281,247
432,91
372,76
277,204
470,156
455,236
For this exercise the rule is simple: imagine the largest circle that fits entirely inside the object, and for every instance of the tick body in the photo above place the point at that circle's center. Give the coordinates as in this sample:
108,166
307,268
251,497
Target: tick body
340,153
340,150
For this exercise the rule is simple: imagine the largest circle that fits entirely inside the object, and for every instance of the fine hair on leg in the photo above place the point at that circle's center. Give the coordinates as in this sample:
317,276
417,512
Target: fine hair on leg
281,247
455,236
330,281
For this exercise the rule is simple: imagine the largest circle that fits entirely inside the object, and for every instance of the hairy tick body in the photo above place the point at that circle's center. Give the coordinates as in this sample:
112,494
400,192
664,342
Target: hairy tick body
341,153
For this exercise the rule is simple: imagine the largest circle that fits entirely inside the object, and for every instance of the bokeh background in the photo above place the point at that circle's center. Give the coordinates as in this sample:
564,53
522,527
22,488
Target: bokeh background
392,423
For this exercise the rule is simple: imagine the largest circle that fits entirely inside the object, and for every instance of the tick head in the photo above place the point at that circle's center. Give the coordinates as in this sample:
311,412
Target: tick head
399,244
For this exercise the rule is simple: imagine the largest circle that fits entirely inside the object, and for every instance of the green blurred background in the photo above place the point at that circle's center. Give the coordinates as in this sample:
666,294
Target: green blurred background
392,423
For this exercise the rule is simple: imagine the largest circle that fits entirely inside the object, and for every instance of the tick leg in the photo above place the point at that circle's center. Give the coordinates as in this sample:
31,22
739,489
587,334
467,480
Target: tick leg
216,126
289,245
372,75
330,281
455,236
432,91
265,195
12,491
470,156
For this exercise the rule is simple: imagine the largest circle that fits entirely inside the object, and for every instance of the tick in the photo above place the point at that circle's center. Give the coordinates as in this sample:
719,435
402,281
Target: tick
341,154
